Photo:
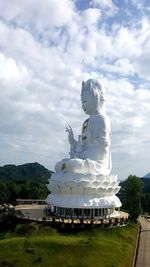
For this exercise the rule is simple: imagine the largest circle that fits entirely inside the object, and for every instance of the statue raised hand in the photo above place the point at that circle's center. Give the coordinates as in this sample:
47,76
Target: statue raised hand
70,135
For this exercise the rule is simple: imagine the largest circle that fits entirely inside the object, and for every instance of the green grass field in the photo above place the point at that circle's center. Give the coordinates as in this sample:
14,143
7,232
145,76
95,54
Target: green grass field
40,245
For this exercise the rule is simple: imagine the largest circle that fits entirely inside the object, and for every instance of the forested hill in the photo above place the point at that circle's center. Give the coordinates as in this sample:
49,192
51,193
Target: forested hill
29,171
23,181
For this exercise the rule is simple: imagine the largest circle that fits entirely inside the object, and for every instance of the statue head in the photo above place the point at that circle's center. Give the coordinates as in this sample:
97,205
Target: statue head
92,96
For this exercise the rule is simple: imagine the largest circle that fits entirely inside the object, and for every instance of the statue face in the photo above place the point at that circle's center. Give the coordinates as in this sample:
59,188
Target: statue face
88,102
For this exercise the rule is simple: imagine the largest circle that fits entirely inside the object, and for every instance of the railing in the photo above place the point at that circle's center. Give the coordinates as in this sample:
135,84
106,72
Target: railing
79,221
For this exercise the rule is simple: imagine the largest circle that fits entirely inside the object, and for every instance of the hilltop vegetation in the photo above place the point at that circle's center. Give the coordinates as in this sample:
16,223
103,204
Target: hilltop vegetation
25,172
23,181
144,194
40,244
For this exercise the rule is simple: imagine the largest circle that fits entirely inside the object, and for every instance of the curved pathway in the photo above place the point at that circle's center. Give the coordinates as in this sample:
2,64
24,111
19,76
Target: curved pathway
143,256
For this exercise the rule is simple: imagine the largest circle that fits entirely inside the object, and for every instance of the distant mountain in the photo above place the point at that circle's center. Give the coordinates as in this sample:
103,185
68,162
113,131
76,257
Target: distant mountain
147,175
28,171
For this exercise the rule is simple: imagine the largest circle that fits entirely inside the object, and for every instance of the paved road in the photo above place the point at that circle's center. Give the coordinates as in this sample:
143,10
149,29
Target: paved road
143,257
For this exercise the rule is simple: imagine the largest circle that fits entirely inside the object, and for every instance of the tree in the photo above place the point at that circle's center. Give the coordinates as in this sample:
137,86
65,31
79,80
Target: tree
13,191
133,192
3,194
146,202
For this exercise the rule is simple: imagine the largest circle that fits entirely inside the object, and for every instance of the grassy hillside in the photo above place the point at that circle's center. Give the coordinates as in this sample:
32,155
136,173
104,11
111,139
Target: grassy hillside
36,245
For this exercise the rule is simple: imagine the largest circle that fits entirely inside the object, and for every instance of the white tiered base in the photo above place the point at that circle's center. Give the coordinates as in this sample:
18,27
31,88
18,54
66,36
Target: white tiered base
83,201
80,191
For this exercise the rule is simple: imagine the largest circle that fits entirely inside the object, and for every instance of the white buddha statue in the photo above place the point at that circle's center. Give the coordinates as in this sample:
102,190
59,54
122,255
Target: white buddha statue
83,181
90,154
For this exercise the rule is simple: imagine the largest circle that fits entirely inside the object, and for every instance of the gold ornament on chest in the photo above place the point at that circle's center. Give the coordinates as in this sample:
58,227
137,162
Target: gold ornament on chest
84,130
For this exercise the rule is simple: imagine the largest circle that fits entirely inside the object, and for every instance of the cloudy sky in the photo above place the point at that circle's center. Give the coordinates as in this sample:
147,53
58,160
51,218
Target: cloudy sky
47,47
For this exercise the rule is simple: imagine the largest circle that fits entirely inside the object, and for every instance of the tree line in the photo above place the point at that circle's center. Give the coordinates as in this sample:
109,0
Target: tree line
10,191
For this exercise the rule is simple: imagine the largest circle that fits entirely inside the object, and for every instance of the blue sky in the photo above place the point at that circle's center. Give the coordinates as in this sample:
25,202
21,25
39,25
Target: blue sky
46,49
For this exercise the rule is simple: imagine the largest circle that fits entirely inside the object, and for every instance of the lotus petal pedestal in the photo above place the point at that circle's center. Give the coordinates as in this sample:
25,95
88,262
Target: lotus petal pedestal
79,195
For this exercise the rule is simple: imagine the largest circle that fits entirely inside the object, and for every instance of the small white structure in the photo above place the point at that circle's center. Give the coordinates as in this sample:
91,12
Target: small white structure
82,185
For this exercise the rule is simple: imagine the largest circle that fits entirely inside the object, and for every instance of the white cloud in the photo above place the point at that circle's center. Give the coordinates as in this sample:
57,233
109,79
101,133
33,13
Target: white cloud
10,71
122,66
128,109
106,5
90,16
37,15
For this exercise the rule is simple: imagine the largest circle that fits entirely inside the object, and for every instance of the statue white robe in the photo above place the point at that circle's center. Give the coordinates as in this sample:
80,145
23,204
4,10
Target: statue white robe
91,153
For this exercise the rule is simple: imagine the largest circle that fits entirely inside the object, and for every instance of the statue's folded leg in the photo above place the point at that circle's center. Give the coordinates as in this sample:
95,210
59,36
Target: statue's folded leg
72,165
82,166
